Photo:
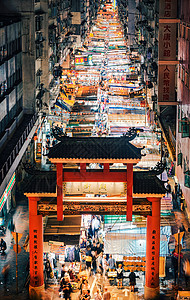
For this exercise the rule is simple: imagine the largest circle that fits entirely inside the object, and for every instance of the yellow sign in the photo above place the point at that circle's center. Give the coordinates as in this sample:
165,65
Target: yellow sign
180,236
14,235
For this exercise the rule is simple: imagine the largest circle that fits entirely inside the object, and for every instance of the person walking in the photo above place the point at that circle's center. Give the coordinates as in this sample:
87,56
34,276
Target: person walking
132,280
186,269
3,246
120,276
97,296
67,289
88,260
63,271
111,263
107,294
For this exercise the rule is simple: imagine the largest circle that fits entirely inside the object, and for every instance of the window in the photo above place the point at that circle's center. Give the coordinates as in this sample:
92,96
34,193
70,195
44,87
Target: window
184,127
38,22
179,112
183,74
187,79
179,159
187,179
179,71
188,36
39,50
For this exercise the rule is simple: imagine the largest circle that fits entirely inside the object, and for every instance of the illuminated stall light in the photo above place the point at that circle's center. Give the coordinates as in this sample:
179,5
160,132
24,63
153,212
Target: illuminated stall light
7,191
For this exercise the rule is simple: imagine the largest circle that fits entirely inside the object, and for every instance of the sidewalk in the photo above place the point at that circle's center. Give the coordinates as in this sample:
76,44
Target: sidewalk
20,218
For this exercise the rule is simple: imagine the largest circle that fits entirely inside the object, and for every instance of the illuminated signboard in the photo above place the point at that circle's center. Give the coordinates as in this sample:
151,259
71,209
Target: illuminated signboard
7,191
83,60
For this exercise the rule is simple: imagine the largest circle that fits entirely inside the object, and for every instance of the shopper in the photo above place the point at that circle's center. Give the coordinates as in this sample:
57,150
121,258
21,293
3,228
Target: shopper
48,269
120,276
111,263
97,296
106,295
186,268
88,260
63,271
3,246
132,280
67,289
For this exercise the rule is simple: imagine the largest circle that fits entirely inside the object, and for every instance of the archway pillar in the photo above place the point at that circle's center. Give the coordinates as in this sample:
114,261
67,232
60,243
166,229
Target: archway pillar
36,286
129,191
59,167
152,290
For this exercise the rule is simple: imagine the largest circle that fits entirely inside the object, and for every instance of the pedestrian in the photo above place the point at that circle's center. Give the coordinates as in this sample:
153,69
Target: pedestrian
48,268
106,295
63,270
120,276
3,246
111,263
11,225
88,260
168,188
132,280
186,268
97,295
5,274
67,289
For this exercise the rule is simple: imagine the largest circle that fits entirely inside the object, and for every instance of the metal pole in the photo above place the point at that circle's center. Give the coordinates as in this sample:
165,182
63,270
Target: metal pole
16,263
161,150
178,273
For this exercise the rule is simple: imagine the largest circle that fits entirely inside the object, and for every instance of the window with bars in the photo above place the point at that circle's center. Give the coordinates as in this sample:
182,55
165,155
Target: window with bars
184,127
179,159
38,22
187,179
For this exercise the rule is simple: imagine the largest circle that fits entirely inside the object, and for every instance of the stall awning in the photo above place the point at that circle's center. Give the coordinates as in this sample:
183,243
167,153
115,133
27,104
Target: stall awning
66,231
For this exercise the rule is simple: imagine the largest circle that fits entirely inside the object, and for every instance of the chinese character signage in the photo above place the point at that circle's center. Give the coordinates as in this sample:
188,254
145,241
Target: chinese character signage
167,52
153,258
167,41
166,92
168,9
34,258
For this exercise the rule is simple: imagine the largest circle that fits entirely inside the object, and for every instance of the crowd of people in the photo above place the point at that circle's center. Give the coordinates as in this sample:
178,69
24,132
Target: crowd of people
78,275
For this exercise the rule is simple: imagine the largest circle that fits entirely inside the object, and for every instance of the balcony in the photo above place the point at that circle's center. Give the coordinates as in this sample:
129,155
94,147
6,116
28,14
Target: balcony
15,144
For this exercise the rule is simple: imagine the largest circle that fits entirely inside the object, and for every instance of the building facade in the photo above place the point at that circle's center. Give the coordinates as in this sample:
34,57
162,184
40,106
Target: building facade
183,97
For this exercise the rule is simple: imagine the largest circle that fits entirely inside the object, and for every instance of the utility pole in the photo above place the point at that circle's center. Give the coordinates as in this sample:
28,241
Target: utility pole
179,250
17,249
17,262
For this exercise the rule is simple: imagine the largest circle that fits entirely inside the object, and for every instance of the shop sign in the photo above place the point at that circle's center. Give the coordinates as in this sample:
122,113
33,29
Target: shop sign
38,151
168,9
166,90
57,249
7,191
167,41
111,188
